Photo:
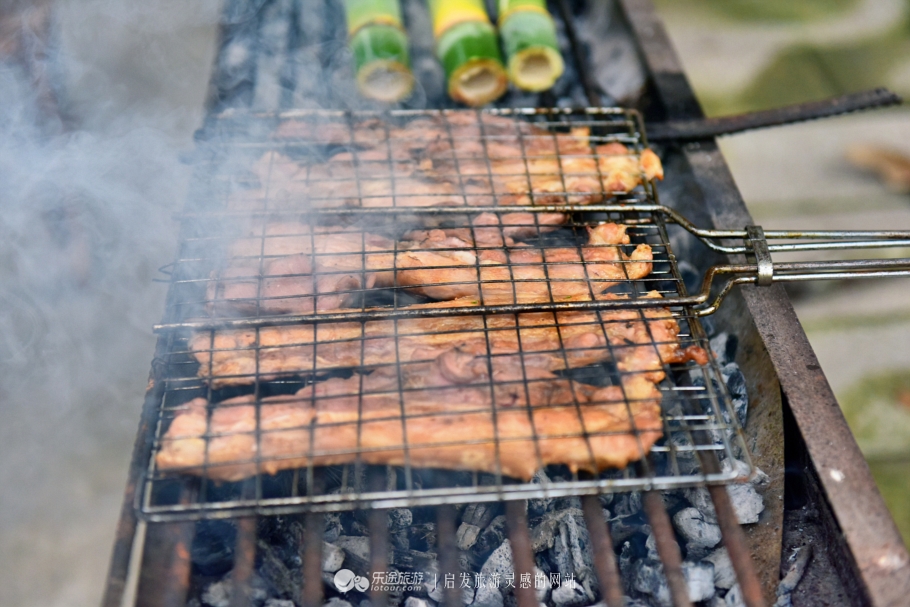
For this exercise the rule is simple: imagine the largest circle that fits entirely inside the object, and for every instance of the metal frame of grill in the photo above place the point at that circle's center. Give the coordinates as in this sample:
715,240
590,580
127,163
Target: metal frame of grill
695,398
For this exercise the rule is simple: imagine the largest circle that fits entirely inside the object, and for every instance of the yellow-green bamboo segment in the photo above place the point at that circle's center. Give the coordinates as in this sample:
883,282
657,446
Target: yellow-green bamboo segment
529,40
467,47
379,46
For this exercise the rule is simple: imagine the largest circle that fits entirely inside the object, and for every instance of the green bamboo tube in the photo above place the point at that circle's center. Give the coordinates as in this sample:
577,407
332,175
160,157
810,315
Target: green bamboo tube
529,40
467,47
379,45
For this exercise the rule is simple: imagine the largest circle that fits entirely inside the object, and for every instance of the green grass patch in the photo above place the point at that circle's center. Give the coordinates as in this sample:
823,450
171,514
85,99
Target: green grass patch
767,10
808,73
779,10
892,480
877,409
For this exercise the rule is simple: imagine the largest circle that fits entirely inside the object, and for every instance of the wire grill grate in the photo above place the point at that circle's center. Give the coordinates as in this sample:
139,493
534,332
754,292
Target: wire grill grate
258,255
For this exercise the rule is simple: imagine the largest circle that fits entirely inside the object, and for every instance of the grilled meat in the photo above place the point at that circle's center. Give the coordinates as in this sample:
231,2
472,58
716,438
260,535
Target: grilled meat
566,339
449,161
374,419
306,271
421,384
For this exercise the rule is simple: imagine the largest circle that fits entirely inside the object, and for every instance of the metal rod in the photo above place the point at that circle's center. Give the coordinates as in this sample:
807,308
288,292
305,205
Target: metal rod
448,554
707,128
313,531
244,562
667,548
735,543
602,549
164,579
378,524
522,554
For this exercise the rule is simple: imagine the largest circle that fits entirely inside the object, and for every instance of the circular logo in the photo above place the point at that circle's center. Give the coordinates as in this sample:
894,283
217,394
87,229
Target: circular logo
361,583
345,579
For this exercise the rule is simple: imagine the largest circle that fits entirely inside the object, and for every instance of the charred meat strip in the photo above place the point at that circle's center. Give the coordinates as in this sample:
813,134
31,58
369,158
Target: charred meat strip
303,270
641,341
373,419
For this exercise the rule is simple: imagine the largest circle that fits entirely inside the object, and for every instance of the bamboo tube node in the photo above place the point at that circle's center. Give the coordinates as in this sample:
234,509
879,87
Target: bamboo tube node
468,48
529,40
379,46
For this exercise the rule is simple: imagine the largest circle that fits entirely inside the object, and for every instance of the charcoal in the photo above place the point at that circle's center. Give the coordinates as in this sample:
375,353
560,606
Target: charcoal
724,346
685,454
466,536
734,598
539,507
332,557
699,534
651,545
699,580
400,539
736,385
648,578
570,551
219,593
542,587
413,601
479,514
193,602
212,551
573,593
423,536
400,521
747,502
412,560
798,562
624,527
724,576
605,499
488,596
627,504
433,584
279,603
357,552
626,560
333,527
491,537
760,479
544,534
566,503
399,518
279,578
337,602
499,564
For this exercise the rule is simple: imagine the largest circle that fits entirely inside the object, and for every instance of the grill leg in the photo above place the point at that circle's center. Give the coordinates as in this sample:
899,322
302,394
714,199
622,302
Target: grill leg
522,555
602,547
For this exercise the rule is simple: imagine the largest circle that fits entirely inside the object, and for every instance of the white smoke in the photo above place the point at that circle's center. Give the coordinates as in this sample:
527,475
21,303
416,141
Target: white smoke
85,221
